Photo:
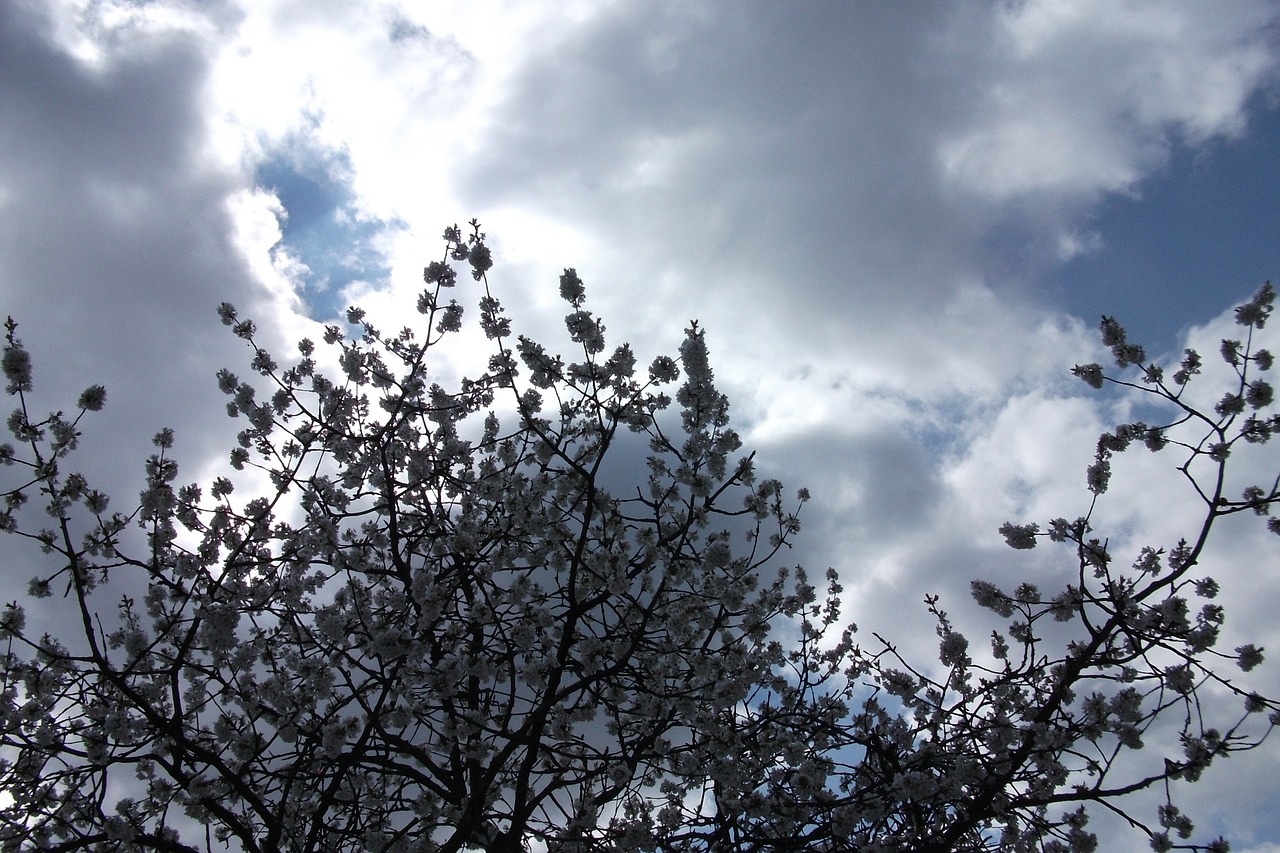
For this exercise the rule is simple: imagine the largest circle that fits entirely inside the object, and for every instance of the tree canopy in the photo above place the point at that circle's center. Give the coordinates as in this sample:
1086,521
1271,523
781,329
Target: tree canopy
443,627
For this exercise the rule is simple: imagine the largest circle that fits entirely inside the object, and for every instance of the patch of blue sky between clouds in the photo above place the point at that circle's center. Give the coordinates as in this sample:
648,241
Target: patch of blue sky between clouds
1195,238
337,244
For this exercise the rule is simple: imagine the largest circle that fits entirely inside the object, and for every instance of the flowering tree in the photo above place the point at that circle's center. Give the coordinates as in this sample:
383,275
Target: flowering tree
439,630
1007,754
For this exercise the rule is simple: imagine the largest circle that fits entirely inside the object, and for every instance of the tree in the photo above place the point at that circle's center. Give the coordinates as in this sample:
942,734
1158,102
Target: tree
434,631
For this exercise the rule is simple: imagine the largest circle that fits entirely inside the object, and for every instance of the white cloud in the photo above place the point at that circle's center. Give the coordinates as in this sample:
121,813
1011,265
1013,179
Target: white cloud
1087,96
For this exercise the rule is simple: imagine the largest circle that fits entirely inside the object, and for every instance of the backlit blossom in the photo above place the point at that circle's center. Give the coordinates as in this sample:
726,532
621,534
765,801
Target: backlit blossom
1019,536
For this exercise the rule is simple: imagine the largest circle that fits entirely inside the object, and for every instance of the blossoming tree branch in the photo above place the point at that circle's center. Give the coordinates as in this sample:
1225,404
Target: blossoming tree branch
437,629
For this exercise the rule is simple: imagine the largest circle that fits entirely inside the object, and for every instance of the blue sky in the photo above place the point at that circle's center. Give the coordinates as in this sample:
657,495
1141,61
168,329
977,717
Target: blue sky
1186,240
322,228
898,222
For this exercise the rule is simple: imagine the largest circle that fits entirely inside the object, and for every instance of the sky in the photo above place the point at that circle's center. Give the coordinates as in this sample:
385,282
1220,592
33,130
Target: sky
898,222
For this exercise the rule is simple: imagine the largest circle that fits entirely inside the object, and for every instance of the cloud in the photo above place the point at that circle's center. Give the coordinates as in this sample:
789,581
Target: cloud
1088,97
848,185
114,234
1262,848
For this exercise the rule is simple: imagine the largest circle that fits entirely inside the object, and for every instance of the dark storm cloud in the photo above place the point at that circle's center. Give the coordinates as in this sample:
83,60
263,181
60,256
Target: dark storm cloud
115,248
115,240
